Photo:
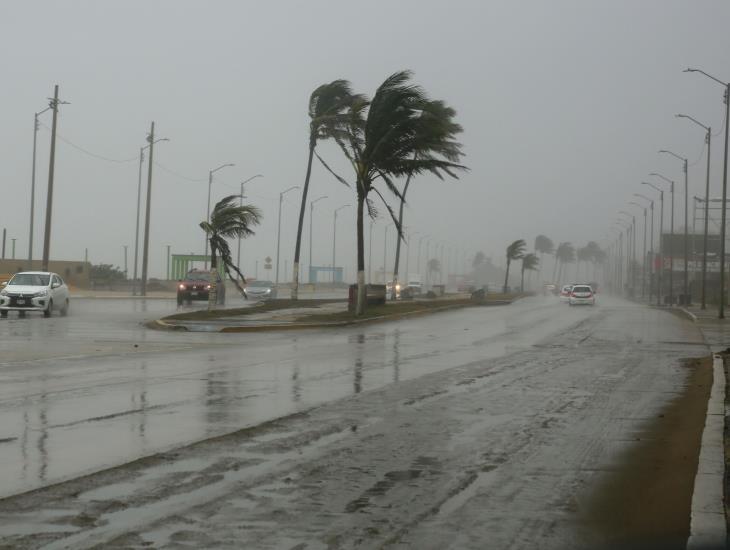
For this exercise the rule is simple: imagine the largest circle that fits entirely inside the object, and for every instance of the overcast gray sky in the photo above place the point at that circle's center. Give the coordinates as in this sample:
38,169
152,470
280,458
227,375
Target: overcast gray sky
564,106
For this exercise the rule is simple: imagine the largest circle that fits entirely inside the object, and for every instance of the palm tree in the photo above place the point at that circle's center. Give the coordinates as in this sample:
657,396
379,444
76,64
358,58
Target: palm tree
515,251
388,138
479,259
582,255
544,245
328,106
437,118
229,221
530,262
565,254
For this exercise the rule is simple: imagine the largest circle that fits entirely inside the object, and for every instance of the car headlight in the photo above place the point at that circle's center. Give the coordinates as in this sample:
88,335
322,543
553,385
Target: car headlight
41,293
3,292
267,291
181,287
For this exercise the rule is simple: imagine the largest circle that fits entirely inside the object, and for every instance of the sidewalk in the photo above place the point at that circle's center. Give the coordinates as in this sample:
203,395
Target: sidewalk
709,502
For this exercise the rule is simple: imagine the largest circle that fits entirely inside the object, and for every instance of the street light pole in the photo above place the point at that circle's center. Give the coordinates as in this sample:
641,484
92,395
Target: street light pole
650,258
671,236
385,251
278,231
686,223
207,212
643,264
721,313
408,254
311,218
708,140
240,203
661,246
370,254
334,240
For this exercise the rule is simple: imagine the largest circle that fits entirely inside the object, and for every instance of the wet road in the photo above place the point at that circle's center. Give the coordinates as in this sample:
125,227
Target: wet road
416,419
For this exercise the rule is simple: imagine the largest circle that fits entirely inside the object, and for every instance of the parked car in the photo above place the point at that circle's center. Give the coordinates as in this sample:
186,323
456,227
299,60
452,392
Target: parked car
416,287
262,290
565,293
389,289
196,286
34,291
582,295
549,289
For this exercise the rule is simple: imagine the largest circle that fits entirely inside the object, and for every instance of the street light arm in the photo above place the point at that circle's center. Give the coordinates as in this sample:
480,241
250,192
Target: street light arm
673,154
663,177
652,185
643,197
252,177
221,166
707,128
690,70
317,200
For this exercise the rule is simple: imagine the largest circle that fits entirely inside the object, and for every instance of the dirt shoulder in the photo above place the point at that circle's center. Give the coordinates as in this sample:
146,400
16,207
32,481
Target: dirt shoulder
649,497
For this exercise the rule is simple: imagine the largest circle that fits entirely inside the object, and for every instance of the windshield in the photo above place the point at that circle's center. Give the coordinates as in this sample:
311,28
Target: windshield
198,276
261,284
30,279
581,289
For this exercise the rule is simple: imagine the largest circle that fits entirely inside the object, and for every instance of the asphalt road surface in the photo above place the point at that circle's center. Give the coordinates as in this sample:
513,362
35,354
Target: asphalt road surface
478,428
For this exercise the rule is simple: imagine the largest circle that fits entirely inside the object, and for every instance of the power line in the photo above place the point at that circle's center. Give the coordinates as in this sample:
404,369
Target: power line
86,151
177,175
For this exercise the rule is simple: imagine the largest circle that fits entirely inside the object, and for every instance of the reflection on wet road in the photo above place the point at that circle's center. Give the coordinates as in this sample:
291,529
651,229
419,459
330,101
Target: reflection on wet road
93,390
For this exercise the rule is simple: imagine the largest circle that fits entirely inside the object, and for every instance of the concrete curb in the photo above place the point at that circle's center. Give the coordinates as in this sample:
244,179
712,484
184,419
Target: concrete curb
161,324
708,527
689,314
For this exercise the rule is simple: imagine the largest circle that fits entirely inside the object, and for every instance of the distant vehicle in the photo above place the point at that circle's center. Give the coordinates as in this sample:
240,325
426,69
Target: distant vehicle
34,291
263,290
196,286
415,285
565,293
549,289
582,295
389,289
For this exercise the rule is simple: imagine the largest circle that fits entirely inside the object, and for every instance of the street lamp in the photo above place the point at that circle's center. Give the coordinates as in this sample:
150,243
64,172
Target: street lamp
334,240
385,250
686,223
650,258
418,258
643,263
631,248
671,236
32,186
721,313
278,231
207,212
661,246
240,203
136,226
708,140
311,217
408,253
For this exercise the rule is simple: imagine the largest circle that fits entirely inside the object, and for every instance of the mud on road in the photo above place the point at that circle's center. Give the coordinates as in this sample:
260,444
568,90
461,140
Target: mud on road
542,447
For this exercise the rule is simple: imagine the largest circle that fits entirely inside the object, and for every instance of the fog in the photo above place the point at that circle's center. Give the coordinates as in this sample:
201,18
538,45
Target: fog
564,107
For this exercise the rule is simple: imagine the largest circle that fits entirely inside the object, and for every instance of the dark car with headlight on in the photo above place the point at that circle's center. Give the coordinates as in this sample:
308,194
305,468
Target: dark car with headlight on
262,290
196,286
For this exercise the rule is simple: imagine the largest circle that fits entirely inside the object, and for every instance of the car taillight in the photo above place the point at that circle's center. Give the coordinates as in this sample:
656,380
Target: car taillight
207,287
574,295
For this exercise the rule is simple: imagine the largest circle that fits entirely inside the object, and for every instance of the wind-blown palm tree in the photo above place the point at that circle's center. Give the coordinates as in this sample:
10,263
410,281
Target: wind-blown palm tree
388,138
515,251
328,107
479,259
530,262
564,254
437,118
544,245
583,254
229,221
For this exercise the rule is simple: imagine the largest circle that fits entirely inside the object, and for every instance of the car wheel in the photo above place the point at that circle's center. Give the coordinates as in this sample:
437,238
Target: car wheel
64,309
3,313
47,312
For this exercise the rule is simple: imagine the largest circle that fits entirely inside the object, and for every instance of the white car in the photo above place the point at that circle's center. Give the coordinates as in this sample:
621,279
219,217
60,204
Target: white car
582,295
34,291
565,293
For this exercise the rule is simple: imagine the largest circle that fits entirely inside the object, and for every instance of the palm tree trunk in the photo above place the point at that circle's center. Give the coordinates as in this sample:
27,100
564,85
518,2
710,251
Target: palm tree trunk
506,277
298,247
398,237
555,267
212,299
360,307
522,279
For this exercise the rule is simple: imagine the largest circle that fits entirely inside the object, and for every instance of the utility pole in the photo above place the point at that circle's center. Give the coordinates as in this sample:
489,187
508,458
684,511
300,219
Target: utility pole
136,225
12,248
125,262
146,244
278,231
86,255
32,189
51,166
5,232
